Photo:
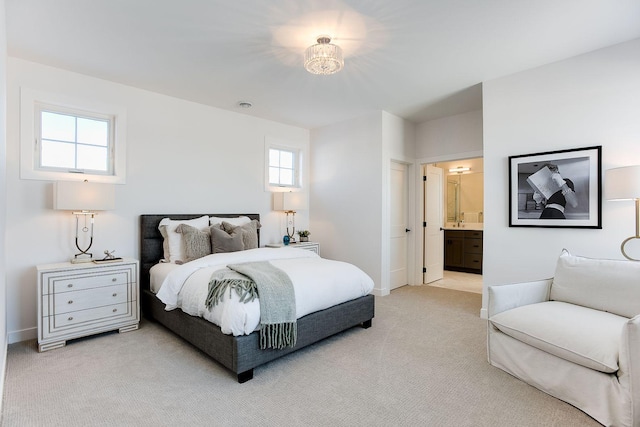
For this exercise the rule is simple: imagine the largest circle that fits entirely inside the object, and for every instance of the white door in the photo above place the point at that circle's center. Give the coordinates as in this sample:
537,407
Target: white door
399,219
433,233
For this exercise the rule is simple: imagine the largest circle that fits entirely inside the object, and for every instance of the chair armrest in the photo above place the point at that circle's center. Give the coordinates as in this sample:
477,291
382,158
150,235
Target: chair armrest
629,373
506,297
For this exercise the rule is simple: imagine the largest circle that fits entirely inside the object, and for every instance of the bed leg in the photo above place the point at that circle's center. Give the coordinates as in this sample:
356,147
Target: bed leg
366,324
245,376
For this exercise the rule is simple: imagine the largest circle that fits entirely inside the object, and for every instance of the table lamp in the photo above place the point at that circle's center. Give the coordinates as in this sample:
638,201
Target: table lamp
290,202
83,199
624,184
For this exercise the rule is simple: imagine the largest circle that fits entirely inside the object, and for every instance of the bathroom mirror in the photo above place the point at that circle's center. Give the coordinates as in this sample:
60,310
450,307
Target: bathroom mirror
465,195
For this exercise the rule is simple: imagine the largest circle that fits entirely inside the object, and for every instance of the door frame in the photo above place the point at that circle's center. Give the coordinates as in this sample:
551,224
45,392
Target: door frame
419,197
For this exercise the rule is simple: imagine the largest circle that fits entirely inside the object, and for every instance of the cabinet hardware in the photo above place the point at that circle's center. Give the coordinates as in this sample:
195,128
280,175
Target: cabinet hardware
70,318
70,285
70,301
115,309
114,294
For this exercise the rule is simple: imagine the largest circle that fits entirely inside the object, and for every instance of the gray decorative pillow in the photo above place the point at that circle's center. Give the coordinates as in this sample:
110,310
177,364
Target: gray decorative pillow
221,241
197,243
249,232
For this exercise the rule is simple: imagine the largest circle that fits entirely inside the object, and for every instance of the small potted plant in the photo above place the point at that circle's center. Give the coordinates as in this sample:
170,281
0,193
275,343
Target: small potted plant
304,235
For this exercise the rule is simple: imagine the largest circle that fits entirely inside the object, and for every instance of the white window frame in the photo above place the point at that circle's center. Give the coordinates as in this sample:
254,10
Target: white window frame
31,103
300,163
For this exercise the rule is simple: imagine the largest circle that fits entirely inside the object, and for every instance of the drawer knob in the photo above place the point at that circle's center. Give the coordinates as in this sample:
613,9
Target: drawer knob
114,279
114,294
70,318
70,285
70,301
115,309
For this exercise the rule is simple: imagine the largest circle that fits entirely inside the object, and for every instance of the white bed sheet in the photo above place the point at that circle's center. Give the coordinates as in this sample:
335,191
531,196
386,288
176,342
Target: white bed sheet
318,283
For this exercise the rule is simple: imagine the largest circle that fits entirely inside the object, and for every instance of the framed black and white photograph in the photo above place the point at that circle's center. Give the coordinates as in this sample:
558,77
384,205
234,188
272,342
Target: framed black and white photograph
556,189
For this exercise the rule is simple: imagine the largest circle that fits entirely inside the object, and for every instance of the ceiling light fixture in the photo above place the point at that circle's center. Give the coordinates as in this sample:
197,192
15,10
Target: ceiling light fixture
459,169
323,58
245,104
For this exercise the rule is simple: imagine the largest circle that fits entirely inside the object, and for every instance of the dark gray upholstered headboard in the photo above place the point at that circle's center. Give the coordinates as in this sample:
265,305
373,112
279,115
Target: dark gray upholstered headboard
151,240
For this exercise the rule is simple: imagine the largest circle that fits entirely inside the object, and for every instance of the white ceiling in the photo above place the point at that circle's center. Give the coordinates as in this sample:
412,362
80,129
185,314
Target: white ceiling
418,59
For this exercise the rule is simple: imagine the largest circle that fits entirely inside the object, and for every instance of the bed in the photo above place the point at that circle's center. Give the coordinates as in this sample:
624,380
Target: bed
240,354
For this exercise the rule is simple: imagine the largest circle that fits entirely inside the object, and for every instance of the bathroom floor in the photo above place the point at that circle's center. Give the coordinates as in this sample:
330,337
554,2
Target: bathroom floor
458,281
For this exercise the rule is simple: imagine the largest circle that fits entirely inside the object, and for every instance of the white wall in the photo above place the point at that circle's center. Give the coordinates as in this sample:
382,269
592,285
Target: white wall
588,100
450,138
350,190
3,191
346,192
182,157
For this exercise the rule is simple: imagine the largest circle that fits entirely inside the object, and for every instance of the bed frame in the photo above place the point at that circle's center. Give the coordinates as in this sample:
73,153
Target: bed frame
240,354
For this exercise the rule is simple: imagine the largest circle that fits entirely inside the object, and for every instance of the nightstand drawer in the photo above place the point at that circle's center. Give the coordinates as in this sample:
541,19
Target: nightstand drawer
93,315
76,283
66,302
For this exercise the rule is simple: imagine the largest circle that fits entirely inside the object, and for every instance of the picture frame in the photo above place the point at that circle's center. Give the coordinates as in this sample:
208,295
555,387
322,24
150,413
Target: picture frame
556,189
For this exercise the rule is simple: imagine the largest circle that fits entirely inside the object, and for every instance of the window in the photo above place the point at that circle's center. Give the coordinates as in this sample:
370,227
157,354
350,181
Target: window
64,138
283,168
73,141
285,164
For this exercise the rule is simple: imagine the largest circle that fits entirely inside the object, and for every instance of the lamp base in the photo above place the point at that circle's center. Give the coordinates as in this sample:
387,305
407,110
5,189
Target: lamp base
624,242
80,258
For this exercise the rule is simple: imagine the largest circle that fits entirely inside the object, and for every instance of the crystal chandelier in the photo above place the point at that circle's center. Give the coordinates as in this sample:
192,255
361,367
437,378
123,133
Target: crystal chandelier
324,57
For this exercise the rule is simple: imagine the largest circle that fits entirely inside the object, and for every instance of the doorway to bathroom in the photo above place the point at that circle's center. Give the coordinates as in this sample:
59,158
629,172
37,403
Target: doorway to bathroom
454,224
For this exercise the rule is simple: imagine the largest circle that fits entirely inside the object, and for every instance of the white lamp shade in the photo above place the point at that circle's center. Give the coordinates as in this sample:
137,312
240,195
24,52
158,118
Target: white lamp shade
622,183
83,196
289,201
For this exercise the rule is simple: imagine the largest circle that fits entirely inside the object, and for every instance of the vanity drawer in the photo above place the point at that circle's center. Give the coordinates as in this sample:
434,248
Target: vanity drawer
473,246
473,234
473,261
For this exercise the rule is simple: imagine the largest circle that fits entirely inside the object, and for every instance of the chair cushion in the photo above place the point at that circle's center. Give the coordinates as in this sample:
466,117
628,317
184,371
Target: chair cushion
603,284
581,335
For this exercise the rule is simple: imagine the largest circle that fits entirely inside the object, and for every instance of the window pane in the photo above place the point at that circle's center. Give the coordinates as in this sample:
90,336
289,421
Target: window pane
286,177
95,132
93,158
274,157
286,159
274,176
57,155
58,126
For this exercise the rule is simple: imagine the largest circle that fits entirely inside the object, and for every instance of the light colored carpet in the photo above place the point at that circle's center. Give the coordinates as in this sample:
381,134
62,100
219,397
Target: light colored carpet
422,363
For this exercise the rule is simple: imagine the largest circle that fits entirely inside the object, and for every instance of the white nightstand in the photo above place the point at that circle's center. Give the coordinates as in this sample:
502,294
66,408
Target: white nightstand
76,300
308,246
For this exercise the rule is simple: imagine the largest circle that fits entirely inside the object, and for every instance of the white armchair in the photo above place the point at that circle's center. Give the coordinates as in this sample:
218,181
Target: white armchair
575,337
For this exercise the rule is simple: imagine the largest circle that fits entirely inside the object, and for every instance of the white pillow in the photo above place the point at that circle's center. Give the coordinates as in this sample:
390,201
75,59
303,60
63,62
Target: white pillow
237,221
172,244
603,284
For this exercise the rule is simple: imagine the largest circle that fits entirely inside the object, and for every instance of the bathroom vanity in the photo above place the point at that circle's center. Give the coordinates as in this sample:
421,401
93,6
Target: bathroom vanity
463,250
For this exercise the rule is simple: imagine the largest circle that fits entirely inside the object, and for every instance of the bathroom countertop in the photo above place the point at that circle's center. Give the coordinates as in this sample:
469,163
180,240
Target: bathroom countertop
464,226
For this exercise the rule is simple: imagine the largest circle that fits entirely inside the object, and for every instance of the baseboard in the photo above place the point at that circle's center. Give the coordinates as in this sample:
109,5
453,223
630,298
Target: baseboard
380,292
22,335
3,369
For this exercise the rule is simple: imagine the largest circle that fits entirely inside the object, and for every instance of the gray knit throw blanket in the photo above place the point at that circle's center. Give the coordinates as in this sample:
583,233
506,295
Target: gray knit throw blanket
278,327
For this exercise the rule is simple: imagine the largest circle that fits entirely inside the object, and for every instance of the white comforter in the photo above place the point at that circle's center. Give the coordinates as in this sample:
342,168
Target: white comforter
318,283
